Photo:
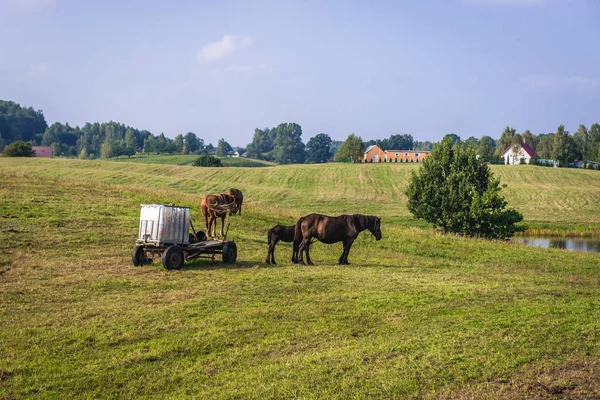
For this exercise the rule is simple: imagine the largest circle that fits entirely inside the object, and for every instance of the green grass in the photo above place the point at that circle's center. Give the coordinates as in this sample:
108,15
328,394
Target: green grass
188,159
417,314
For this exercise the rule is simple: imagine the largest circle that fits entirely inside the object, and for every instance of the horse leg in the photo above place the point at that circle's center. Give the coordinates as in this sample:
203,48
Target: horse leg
222,225
295,245
344,257
273,251
303,247
308,260
210,225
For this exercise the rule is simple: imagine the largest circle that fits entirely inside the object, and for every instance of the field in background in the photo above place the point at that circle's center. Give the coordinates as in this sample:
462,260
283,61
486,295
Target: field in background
188,159
415,314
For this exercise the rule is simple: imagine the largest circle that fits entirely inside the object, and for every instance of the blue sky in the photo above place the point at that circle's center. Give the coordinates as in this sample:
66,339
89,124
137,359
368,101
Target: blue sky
223,68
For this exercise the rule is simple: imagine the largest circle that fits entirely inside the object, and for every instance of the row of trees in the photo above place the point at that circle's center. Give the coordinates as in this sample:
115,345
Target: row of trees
282,144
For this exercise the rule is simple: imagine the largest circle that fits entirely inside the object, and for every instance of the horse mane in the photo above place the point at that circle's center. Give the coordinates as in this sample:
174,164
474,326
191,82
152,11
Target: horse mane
363,222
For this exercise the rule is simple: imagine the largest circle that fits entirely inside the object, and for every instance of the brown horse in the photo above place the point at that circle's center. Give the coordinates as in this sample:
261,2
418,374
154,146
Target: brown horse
344,228
238,196
215,206
284,234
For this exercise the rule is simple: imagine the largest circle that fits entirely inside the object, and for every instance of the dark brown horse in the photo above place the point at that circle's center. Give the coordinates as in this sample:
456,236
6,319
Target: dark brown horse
215,206
238,196
284,234
344,228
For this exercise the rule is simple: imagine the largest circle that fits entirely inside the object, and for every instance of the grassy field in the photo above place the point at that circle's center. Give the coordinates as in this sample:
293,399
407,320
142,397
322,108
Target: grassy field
417,314
188,159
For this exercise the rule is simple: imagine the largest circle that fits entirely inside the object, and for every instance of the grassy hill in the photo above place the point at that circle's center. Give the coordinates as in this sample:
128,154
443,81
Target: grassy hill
417,314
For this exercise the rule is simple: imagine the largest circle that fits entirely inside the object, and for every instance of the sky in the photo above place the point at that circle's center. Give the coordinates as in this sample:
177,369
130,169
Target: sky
221,69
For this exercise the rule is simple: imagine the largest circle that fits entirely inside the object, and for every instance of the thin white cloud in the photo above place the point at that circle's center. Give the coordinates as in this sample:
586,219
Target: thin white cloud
505,2
27,5
552,82
215,51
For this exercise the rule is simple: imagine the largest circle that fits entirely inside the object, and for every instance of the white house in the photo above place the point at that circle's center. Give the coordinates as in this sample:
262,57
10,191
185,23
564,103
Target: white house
514,155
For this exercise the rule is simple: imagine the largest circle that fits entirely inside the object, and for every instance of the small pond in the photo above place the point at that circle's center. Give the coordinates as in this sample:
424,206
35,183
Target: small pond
578,244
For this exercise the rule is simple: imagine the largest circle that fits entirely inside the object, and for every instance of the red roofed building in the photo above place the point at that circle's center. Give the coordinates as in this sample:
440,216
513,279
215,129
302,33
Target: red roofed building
518,154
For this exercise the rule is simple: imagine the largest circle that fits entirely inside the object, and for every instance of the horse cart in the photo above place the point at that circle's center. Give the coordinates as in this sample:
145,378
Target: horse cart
165,232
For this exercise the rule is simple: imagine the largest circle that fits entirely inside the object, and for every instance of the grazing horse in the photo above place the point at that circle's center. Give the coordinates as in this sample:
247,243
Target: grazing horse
239,198
215,206
344,228
284,234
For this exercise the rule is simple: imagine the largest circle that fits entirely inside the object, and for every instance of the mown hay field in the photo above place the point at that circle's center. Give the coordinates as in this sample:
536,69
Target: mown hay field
417,314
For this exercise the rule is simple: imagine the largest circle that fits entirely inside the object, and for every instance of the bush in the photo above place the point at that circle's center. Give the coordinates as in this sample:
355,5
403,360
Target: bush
207,161
19,149
457,192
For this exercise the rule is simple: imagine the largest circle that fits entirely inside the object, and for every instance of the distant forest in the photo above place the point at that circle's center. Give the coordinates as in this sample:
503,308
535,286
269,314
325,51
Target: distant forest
282,144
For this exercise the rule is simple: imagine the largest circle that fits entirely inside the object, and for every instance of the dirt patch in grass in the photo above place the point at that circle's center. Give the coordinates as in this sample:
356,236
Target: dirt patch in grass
576,379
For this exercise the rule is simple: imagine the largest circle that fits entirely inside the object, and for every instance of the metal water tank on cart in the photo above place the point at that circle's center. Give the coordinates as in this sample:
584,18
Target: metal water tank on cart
165,232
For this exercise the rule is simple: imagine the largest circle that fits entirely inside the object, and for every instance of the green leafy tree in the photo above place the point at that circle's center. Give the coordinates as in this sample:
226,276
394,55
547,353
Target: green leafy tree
353,149
563,147
487,148
223,148
207,161
107,149
544,145
423,146
318,148
149,144
453,137
178,143
130,140
394,142
582,143
83,155
263,144
191,143
594,145
19,149
509,137
457,192
288,146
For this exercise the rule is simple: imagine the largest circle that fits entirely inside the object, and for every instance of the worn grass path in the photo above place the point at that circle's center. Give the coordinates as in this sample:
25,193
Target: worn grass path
417,314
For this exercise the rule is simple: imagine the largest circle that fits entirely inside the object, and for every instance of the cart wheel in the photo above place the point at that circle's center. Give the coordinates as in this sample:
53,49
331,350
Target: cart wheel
192,238
201,235
229,252
139,256
172,257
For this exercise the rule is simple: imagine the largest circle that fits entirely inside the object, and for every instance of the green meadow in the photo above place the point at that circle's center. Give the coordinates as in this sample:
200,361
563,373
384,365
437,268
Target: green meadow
418,314
188,159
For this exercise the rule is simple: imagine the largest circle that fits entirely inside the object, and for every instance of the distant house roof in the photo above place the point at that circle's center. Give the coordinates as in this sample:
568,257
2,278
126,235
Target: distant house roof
526,148
370,147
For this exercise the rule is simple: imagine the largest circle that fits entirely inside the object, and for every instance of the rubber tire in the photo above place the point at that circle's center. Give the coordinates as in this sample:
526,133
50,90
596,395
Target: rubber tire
192,238
138,257
229,252
172,257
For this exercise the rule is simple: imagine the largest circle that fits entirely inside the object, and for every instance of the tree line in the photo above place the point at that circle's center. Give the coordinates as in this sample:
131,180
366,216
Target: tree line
282,144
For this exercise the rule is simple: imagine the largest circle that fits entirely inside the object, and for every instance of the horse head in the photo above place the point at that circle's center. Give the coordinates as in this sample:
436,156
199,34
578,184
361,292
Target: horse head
375,227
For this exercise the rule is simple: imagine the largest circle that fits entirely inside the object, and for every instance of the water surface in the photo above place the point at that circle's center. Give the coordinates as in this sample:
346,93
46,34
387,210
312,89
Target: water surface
588,245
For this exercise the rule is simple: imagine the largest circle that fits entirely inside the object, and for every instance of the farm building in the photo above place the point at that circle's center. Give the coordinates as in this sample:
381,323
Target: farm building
374,153
514,155
42,151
